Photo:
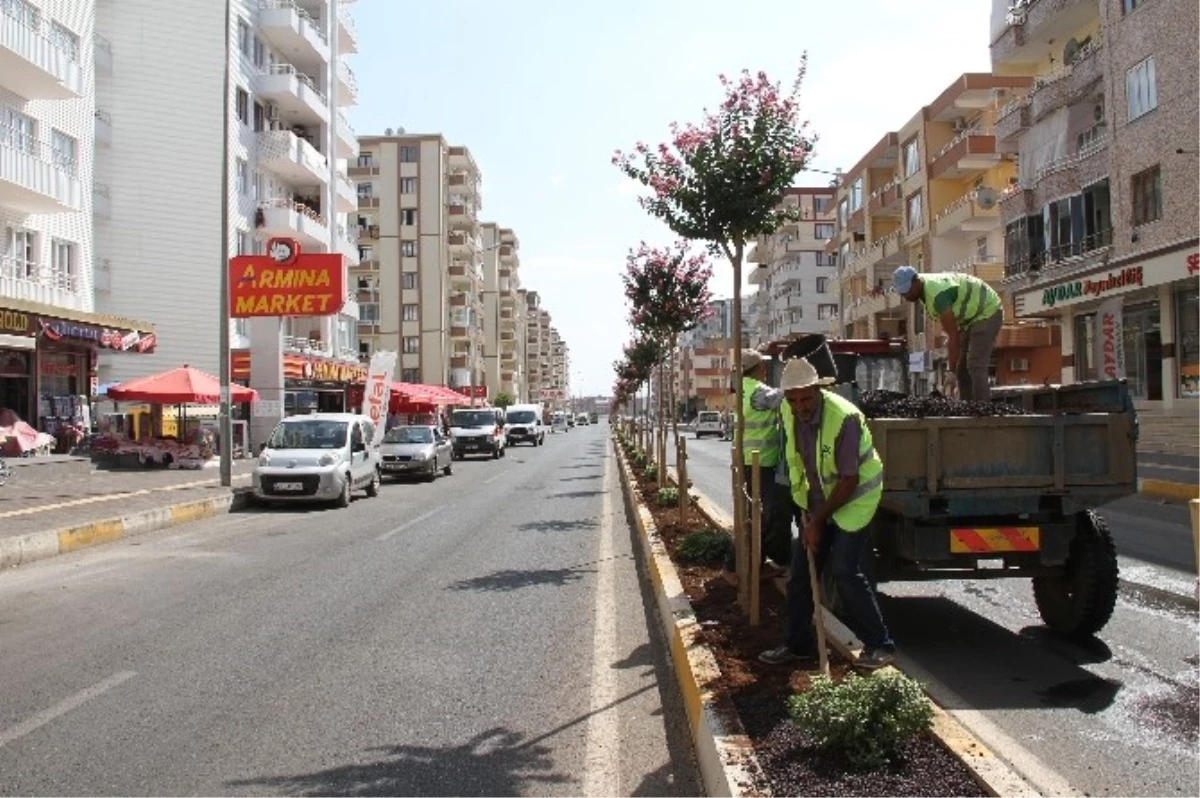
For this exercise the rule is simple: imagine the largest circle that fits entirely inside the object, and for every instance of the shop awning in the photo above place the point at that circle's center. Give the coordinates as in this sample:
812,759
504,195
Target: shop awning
184,385
429,394
53,323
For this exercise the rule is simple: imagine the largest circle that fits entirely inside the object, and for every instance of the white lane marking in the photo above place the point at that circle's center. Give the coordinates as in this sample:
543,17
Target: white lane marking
63,707
602,764
408,523
112,497
490,480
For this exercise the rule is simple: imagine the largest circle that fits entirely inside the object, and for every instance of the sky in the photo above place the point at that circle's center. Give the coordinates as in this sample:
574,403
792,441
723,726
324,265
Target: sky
543,91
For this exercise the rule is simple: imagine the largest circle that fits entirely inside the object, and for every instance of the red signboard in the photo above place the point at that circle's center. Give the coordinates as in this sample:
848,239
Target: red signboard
474,391
285,282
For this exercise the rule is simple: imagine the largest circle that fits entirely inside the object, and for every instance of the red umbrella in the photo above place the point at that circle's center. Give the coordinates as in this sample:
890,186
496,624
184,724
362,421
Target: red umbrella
179,386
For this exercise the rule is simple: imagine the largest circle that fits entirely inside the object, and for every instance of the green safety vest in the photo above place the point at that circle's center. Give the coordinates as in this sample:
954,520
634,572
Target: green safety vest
860,509
976,299
762,428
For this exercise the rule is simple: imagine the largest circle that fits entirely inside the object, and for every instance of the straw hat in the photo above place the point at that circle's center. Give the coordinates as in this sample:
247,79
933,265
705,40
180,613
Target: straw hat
799,373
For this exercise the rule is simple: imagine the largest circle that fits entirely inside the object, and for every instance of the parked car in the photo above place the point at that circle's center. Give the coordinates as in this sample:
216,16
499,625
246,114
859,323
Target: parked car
416,451
708,422
477,430
318,457
523,424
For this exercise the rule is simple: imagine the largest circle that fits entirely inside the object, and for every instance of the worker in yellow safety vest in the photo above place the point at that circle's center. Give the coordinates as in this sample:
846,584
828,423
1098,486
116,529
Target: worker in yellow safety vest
971,315
836,480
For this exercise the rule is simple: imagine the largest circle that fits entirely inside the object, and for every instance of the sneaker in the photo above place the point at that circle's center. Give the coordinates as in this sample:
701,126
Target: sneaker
873,659
784,655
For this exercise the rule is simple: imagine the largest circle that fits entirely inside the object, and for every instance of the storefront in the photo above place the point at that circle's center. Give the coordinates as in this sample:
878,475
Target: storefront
311,384
1137,319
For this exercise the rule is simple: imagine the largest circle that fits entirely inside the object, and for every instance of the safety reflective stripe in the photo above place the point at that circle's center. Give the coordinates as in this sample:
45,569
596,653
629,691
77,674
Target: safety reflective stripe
866,487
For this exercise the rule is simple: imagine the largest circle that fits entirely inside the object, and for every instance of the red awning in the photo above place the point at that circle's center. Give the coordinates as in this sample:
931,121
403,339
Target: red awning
184,385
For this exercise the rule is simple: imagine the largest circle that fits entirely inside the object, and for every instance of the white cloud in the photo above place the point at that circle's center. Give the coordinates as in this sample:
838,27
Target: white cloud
557,179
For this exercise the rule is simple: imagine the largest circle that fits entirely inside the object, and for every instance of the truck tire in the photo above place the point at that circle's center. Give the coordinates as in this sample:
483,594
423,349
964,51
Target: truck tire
1079,603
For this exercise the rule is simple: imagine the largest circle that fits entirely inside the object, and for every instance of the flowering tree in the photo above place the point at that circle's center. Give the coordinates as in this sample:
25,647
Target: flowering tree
635,368
668,294
722,182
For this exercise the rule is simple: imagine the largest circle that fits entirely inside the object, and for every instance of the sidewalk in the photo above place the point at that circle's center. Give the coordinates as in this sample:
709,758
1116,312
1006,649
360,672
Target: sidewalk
1173,477
44,520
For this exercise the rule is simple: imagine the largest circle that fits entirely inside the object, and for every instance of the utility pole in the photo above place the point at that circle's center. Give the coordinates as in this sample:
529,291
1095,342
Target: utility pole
225,422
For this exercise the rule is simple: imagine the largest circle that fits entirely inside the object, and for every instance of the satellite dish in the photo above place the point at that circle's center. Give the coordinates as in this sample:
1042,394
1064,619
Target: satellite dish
400,131
1070,51
986,198
387,131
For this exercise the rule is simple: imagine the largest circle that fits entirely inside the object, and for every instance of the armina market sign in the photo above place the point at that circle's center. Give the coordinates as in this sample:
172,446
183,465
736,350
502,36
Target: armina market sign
1147,274
285,282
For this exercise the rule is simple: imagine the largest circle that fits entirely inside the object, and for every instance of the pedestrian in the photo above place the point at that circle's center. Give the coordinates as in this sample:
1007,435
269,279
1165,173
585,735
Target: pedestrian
836,482
760,407
971,314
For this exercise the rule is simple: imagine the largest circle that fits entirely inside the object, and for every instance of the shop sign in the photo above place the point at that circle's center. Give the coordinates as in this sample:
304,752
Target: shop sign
553,393
1109,344
474,391
297,367
15,323
378,391
101,337
1146,274
1086,289
285,282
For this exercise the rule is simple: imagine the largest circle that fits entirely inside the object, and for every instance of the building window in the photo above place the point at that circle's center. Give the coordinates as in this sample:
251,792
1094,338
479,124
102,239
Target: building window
408,249
822,285
410,375
260,117
366,159
912,157
826,311
260,186
981,248
368,311
365,254
1147,196
822,204
408,154
412,344
242,173
63,149
843,215
1141,91
23,13
408,280
18,131
243,106
364,349
244,37
64,263
856,195
408,185
408,216
20,253
824,232
366,190
409,312
913,211
63,39
260,53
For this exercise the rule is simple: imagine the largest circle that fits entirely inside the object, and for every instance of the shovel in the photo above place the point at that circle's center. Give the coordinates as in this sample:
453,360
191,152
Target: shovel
818,613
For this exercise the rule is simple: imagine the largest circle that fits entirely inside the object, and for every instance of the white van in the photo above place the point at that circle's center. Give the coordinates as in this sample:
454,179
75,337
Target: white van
318,457
477,430
524,425
708,422
558,422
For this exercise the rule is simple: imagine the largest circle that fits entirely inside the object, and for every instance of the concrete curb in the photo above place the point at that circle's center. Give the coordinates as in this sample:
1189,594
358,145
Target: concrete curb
35,546
725,755
992,773
1170,491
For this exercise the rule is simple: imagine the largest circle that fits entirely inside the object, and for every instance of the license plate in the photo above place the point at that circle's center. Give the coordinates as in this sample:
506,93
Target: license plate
985,540
289,486
395,466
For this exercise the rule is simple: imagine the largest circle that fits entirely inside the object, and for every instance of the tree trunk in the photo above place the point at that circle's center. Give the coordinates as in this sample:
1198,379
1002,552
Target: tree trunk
660,429
674,398
739,504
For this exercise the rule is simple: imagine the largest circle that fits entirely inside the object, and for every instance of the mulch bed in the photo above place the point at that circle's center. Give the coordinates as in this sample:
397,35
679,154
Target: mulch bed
791,762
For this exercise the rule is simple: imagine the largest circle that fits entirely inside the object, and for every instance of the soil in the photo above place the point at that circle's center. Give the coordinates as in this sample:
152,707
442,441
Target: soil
791,762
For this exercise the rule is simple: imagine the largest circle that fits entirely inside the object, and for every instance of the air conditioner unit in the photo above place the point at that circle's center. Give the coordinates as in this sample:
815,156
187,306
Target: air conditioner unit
1018,364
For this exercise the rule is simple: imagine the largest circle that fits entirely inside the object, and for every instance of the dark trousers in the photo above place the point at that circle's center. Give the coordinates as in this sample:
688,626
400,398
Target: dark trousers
776,517
843,552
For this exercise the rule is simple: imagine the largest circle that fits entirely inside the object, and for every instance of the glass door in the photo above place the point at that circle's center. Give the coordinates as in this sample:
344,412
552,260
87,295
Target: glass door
1143,352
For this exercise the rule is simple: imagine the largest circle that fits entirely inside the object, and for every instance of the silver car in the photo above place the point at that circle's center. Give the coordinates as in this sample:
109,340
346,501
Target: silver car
416,451
318,457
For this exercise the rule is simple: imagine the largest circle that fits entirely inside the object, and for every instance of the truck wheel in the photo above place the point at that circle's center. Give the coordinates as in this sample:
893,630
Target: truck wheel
1080,602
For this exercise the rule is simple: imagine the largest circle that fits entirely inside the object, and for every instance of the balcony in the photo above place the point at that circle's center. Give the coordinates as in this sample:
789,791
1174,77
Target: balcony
1034,24
346,243
347,139
29,282
292,158
103,132
283,218
988,268
462,182
32,178
346,194
293,30
883,250
102,56
965,217
36,65
1015,202
461,214
295,94
347,85
967,154
347,32
101,201
1013,120
1071,173
459,362
887,200
461,160
1069,84
464,276
463,244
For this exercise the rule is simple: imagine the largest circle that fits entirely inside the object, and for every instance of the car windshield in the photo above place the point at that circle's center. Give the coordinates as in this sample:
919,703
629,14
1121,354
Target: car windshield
522,417
472,418
409,435
314,434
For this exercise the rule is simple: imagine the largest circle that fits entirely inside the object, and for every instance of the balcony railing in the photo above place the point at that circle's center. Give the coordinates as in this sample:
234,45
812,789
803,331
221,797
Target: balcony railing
35,62
1084,250
44,178
1093,147
306,19
289,69
35,283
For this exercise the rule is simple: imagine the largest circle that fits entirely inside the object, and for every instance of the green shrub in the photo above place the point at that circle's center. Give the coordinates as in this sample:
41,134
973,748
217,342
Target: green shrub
705,545
651,472
640,459
867,718
668,497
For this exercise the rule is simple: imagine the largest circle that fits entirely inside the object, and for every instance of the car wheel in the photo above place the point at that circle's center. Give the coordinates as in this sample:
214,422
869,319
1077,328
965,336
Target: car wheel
432,473
373,487
496,453
344,499
449,469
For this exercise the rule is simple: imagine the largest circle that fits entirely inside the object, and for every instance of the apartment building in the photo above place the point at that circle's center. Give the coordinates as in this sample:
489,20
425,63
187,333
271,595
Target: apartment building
504,316
1101,219
537,350
421,258
928,195
52,334
705,358
560,365
795,277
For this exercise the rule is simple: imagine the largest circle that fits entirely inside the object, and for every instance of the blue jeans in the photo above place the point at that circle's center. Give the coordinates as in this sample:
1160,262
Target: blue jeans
843,552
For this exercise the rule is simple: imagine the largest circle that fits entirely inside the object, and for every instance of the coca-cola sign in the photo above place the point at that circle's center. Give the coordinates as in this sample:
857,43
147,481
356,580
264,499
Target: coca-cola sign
101,337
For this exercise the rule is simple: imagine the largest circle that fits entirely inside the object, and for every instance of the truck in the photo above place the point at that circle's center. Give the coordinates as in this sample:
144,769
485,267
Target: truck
996,497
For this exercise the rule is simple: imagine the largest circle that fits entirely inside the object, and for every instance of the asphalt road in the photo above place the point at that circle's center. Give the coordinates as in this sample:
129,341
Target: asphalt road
486,634
1115,716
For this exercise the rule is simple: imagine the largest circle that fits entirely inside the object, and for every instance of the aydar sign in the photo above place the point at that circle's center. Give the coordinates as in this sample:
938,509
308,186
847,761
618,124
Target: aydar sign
285,282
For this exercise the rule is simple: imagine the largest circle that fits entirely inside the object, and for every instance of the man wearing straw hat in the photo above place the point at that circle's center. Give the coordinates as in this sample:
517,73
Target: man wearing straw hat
837,482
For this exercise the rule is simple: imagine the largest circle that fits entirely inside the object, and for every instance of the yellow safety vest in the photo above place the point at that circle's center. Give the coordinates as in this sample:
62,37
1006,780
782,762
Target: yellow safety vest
860,509
976,299
762,428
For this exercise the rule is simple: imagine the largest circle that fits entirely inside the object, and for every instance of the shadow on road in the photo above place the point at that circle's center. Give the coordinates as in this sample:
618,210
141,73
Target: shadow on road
556,526
508,580
578,479
989,667
576,494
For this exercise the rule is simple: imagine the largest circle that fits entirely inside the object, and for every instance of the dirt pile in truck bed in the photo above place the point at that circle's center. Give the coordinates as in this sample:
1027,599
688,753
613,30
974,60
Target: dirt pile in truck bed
890,404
